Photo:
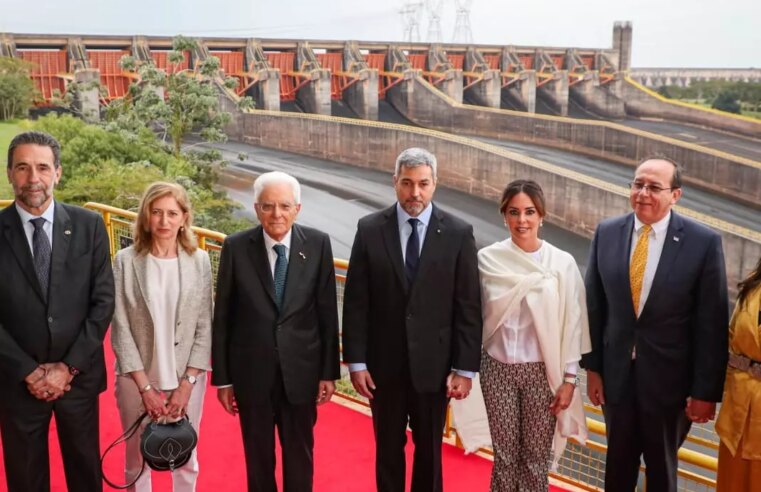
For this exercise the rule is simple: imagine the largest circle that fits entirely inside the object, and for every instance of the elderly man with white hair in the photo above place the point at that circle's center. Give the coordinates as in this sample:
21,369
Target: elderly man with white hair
275,334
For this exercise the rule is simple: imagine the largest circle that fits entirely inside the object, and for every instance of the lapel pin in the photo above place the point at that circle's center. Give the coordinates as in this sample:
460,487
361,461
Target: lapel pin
676,239
438,231
303,257
67,232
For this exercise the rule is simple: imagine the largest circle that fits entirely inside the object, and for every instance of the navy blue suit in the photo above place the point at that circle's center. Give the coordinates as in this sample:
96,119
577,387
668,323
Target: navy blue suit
680,340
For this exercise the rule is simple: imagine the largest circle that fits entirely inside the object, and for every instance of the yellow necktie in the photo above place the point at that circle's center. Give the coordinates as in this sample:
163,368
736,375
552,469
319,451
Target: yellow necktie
638,264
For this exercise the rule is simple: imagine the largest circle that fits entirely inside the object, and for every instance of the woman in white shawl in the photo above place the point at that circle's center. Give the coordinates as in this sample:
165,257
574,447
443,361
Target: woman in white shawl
534,332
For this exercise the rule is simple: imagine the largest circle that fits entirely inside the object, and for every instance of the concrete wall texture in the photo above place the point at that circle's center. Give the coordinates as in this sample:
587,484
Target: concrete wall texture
716,171
644,104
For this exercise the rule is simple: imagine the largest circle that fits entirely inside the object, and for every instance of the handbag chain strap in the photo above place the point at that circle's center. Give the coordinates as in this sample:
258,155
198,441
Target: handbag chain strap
127,434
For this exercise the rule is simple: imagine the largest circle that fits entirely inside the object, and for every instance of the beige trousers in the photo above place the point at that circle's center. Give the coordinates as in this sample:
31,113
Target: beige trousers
130,406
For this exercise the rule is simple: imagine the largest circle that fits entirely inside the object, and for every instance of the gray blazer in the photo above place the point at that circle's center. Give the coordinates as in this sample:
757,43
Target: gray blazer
132,325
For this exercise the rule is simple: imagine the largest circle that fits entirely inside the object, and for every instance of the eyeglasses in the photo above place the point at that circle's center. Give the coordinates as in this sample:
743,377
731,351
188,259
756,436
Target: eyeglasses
637,187
268,207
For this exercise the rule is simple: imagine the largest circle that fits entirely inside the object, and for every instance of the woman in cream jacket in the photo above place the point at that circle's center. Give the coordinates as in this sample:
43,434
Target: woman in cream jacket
161,330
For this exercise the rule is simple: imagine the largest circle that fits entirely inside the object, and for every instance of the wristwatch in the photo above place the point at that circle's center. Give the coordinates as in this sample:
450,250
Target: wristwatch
73,370
574,380
190,379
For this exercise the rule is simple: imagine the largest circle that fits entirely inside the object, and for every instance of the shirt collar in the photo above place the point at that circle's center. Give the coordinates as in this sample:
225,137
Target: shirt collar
48,214
424,217
269,242
659,227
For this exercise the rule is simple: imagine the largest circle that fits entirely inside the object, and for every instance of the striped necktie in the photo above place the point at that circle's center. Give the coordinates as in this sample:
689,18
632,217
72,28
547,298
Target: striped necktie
637,266
281,269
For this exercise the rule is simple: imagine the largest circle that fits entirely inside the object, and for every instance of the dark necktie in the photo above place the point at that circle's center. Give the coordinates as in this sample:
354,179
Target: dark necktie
412,255
41,251
281,269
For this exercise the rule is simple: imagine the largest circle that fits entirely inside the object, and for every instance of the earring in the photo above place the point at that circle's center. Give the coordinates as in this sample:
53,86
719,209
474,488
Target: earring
182,228
541,224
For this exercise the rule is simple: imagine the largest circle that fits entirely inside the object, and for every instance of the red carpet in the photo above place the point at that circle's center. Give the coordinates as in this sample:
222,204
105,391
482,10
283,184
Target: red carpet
344,453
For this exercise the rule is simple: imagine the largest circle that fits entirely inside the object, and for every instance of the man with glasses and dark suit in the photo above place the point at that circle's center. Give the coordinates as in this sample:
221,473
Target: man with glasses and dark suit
56,302
275,334
657,302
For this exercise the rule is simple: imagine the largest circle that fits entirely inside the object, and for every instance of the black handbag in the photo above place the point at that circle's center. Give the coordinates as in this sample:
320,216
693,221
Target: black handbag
163,446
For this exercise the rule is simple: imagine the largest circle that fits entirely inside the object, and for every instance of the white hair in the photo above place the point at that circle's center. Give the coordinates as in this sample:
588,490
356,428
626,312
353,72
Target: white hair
414,157
277,177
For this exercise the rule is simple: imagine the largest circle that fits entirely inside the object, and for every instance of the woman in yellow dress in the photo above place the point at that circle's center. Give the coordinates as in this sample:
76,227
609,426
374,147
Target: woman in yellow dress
739,422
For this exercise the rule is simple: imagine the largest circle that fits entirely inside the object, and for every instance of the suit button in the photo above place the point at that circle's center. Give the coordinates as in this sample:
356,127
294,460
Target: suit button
50,319
178,323
409,316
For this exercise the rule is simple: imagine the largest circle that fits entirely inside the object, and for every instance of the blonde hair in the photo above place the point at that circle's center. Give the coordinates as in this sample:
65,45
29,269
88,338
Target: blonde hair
142,229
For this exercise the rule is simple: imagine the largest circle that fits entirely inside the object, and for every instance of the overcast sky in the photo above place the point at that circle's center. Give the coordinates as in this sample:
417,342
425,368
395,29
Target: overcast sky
667,33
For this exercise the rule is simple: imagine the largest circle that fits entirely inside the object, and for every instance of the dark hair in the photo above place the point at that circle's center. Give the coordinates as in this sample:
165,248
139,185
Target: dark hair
752,281
676,179
35,138
527,186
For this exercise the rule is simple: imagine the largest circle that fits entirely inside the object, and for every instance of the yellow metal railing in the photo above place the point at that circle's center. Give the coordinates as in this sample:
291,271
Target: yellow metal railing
581,466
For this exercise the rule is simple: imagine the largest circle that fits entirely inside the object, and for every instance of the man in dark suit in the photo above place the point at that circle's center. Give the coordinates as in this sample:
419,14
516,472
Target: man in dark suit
57,300
275,334
412,322
657,301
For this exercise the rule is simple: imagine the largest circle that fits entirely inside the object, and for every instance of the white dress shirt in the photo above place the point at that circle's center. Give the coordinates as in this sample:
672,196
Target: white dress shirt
654,250
269,243
516,341
26,217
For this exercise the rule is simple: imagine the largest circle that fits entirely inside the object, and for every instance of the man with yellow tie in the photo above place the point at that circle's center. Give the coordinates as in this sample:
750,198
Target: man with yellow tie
658,314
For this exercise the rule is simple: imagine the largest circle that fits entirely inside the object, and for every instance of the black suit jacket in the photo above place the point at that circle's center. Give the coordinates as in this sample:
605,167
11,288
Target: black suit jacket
70,327
681,336
250,338
431,326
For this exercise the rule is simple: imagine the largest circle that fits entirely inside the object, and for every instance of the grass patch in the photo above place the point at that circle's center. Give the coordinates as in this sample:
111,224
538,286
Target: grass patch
8,130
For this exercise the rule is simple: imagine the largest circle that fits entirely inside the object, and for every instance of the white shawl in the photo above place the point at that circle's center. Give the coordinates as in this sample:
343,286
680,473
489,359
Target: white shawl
555,296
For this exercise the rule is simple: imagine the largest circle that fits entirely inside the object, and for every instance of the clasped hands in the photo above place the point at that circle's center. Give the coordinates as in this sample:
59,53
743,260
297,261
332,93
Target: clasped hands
157,405
48,382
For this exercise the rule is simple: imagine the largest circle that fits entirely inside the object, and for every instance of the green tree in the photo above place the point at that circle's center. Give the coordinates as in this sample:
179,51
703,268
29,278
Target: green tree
17,90
180,109
727,101
178,103
116,167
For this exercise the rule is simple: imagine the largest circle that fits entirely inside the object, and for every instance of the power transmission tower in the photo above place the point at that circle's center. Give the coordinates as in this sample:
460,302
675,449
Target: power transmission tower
462,30
434,8
410,14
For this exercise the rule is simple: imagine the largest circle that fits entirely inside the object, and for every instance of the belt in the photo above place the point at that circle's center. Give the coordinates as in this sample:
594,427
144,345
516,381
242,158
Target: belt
746,364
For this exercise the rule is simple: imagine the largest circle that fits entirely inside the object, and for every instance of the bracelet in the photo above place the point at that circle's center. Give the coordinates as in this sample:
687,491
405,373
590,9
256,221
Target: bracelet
145,389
